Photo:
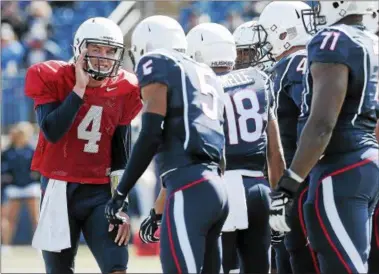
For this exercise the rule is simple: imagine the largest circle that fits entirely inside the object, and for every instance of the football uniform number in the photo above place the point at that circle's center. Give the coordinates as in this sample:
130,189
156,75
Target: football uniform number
244,114
92,135
302,66
327,35
147,67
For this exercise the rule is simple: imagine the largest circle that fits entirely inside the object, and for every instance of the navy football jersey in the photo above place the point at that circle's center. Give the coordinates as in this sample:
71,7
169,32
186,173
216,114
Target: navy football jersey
288,89
193,127
358,50
249,105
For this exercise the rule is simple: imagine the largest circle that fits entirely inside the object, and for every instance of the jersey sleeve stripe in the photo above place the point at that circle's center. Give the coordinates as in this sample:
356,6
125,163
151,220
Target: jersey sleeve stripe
365,69
281,83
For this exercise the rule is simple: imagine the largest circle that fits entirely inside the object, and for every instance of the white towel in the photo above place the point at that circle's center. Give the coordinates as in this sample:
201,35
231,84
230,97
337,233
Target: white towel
53,230
238,217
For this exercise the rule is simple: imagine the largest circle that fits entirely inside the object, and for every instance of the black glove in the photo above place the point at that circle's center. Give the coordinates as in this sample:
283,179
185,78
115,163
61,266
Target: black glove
281,202
276,237
114,205
149,226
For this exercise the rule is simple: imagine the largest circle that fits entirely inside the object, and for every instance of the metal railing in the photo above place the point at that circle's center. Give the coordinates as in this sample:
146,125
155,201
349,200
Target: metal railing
15,106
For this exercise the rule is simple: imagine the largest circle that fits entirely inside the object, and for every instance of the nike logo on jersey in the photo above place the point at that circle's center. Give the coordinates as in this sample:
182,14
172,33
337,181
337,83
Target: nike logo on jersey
110,88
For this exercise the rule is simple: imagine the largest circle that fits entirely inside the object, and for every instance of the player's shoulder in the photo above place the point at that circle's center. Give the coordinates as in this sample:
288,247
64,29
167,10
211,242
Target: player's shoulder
159,56
46,77
157,66
337,44
51,68
296,66
125,77
335,38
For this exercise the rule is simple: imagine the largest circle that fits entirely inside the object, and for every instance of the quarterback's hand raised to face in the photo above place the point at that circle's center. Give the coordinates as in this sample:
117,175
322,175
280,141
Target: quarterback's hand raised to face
81,76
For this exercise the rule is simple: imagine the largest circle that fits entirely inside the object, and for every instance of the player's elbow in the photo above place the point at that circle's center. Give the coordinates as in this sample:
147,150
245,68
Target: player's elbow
49,135
322,127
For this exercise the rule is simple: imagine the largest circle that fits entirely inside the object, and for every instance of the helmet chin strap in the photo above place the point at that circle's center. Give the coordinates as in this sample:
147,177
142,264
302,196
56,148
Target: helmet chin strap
97,77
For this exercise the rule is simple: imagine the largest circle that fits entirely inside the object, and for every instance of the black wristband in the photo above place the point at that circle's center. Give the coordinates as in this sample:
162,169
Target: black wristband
288,183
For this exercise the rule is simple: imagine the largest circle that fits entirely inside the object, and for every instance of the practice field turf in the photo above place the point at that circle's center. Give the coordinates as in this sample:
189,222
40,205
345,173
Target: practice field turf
25,259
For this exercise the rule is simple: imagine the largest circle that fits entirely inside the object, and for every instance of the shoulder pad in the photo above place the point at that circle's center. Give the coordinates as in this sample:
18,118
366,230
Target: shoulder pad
42,80
332,45
155,67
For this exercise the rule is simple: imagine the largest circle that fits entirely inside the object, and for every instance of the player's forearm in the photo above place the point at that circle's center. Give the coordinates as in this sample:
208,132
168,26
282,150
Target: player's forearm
276,166
275,156
56,119
160,201
377,131
120,147
312,144
143,151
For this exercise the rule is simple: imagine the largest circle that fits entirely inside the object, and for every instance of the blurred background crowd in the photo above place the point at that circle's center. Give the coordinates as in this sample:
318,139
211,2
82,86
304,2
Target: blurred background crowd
36,31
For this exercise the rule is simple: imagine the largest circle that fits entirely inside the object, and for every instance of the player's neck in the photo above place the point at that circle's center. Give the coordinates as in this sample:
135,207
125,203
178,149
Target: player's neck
94,84
288,52
351,20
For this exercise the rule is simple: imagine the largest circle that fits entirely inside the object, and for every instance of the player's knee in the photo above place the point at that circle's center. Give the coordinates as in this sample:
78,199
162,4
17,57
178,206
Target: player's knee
314,233
258,199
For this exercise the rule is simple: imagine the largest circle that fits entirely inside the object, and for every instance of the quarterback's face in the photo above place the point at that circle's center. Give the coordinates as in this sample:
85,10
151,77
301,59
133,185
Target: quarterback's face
101,56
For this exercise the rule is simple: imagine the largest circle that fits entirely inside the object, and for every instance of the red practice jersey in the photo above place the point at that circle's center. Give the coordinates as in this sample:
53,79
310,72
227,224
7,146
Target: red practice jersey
83,154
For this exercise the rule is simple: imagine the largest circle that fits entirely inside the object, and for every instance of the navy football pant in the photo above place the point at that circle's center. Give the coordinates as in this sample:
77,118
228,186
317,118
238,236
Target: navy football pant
373,260
341,198
86,205
252,244
195,211
280,261
301,256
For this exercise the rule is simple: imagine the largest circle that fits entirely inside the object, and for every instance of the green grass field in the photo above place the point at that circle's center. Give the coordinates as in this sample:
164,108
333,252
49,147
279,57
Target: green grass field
25,259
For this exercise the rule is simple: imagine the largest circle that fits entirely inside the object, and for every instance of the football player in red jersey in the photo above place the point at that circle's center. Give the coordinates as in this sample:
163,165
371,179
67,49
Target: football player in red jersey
84,111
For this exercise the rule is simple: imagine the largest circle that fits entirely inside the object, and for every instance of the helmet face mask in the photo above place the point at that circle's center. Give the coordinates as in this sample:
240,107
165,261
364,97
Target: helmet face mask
327,13
260,56
105,44
95,62
312,18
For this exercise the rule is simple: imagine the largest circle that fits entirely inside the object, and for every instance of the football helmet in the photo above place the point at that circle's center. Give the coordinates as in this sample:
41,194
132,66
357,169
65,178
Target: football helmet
282,27
156,32
327,13
104,32
371,21
212,44
249,53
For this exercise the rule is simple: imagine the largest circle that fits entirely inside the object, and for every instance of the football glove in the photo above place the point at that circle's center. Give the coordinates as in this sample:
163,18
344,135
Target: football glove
281,202
117,203
149,226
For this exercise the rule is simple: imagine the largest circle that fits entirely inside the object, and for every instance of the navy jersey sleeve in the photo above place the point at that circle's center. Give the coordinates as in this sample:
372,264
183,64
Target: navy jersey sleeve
55,119
271,100
333,46
121,145
154,68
